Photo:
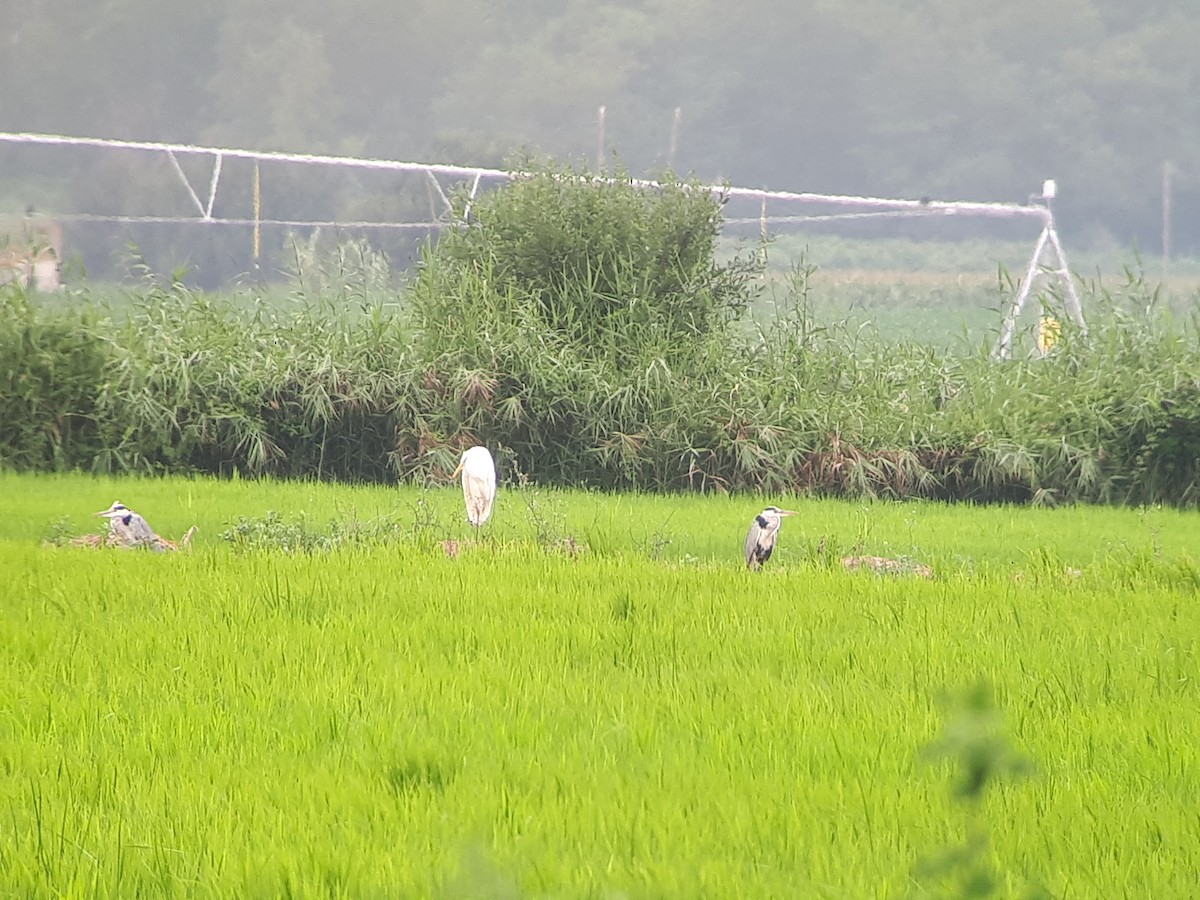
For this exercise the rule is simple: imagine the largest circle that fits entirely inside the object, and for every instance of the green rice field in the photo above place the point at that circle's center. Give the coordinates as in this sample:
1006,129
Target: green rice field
324,698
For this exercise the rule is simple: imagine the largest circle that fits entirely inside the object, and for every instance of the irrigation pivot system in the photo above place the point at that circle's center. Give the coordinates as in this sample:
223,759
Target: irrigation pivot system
777,209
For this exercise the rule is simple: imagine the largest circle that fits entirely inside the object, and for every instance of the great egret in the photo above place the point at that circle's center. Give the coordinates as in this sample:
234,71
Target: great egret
478,483
763,531
128,528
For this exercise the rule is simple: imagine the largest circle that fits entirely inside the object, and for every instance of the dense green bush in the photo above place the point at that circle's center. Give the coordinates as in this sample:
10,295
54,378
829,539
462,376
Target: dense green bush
604,383
565,320
605,265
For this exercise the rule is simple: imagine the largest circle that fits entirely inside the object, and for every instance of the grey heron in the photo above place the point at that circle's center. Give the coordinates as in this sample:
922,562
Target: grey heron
128,528
760,542
478,483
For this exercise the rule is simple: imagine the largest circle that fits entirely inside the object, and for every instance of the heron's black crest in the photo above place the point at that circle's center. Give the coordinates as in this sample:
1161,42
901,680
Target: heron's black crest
762,523
125,519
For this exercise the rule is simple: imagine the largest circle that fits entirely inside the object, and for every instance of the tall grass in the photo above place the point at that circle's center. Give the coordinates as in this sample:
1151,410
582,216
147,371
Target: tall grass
606,347
386,720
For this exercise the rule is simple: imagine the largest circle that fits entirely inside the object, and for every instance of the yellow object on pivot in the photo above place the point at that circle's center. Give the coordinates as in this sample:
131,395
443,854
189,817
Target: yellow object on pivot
1049,330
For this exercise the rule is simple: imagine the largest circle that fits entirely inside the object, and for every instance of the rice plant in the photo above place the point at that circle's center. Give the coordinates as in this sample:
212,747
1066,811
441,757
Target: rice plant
380,717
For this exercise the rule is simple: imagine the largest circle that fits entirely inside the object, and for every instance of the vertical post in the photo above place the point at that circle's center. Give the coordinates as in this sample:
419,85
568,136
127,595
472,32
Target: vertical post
762,228
674,138
257,215
1168,169
600,141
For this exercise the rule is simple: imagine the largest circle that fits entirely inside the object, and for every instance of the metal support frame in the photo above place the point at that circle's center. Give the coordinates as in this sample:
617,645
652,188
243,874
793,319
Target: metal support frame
1058,269
1047,244
205,210
858,207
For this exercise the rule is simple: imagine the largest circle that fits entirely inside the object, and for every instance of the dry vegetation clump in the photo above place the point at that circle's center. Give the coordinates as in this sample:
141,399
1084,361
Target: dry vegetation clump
113,541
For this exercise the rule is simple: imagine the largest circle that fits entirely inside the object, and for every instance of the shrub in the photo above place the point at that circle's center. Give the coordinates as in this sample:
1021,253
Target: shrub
605,265
564,321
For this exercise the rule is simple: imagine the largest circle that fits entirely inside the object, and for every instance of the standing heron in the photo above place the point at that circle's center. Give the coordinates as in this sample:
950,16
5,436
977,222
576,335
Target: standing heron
128,528
763,531
478,483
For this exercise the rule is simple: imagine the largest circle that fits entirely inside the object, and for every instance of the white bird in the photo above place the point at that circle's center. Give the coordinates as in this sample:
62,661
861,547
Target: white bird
763,531
478,483
128,528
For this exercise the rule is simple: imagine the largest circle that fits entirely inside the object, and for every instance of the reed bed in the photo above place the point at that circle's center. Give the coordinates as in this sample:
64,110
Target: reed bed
193,384
592,335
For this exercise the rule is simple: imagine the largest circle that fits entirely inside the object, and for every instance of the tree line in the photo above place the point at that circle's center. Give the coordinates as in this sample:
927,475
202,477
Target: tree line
940,98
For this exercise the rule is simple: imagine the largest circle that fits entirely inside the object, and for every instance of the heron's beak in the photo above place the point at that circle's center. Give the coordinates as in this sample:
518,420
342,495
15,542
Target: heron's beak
788,512
456,471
